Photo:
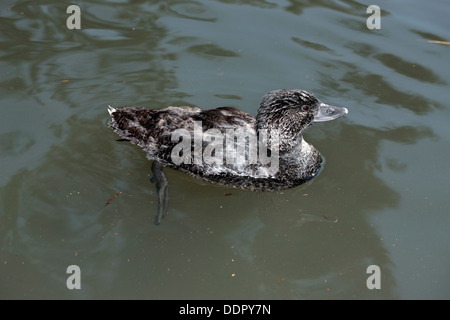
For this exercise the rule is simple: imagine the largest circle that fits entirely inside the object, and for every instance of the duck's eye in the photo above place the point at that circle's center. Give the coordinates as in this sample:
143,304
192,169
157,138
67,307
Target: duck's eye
305,108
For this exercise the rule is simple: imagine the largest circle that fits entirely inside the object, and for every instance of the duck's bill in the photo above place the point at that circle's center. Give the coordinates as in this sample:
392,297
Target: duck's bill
328,113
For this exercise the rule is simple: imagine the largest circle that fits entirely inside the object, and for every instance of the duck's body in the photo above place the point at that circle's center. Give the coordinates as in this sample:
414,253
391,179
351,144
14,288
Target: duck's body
276,130
152,130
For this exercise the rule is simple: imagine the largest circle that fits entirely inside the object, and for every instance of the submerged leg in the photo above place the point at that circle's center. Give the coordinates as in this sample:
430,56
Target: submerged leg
162,187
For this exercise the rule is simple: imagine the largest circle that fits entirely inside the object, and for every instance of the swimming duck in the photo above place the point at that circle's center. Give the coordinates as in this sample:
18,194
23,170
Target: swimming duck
227,146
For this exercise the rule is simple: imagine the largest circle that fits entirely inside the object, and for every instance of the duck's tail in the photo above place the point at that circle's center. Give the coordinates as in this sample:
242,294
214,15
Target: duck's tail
115,115
111,110
132,124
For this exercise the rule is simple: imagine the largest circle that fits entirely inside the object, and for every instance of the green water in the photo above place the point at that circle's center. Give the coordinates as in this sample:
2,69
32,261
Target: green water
381,199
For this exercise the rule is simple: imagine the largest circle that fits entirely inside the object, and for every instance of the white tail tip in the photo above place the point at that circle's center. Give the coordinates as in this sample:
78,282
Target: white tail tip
111,110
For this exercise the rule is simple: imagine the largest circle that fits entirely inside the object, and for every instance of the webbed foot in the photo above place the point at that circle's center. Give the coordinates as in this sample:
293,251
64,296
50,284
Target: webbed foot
162,187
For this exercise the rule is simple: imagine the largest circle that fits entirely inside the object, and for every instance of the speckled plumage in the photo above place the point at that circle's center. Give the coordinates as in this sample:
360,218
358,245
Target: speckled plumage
288,111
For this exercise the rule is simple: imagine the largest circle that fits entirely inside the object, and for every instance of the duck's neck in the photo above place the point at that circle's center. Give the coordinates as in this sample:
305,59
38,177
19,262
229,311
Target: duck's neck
303,157
298,147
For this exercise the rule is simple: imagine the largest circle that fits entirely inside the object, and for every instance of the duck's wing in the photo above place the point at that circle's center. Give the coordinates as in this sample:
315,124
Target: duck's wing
226,118
152,129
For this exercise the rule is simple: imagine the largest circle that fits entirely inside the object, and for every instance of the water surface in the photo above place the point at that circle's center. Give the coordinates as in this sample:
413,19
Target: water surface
381,199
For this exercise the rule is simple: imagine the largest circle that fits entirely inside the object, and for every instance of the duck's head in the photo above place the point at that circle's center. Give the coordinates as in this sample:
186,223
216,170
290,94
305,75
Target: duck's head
292,111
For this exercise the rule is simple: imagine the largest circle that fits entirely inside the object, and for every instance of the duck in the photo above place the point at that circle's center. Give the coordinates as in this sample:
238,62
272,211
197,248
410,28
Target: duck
227,146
